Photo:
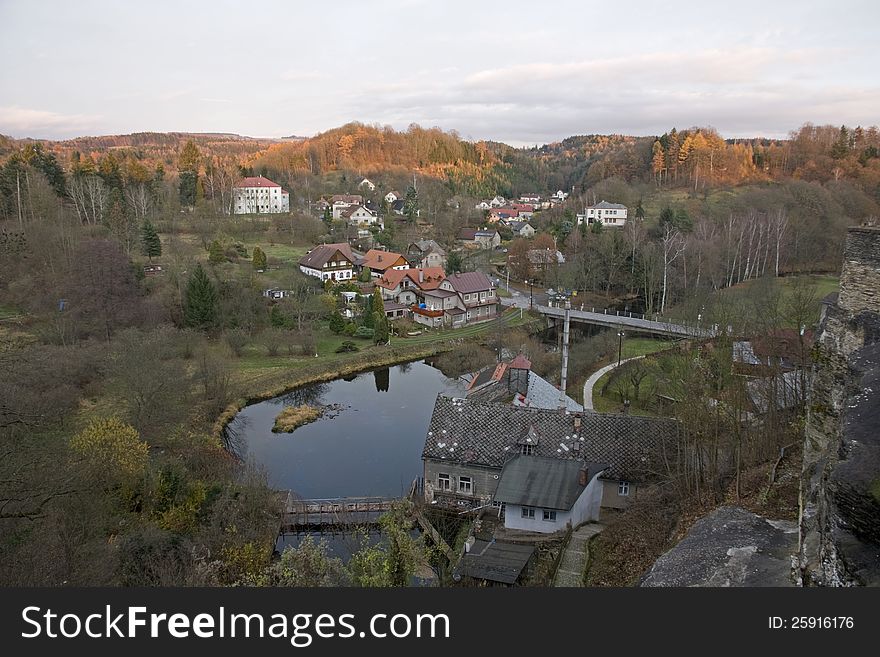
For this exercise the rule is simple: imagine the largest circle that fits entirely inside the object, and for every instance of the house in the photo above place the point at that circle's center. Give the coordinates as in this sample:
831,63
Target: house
406,286
545,495
521,228
482,205
487,239
341,202
366,183
497,202
329,262
458,300
426,253
359,215
530,198
499,214
605,213
494,563
524,210
153,270
469,441
259,195
392,196
783,349
514,382
379,262
559,195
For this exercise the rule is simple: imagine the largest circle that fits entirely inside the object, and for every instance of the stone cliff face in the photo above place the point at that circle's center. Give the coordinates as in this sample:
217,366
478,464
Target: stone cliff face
839,533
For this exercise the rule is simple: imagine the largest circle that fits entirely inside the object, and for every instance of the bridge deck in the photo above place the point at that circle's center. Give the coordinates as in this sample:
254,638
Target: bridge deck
633,321
300,514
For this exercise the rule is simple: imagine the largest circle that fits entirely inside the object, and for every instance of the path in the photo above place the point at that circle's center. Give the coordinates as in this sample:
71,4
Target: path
595,376
571,567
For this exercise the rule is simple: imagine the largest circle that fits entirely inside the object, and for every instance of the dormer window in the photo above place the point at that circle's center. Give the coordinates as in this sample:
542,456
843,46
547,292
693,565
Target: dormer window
527,450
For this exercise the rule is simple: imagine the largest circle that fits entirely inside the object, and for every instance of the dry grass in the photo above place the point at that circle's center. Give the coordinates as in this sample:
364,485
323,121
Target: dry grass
292,417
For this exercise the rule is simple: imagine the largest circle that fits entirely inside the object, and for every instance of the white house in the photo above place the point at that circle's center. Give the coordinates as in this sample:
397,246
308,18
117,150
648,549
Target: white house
605,213
392,196
541,494
560,195
329,262
367,183
259,195
342,202
482,205
359,215
498,202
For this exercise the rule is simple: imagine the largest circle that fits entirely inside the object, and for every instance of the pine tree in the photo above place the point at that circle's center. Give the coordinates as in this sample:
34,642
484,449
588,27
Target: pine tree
216,254
411,204
453,262
188,165
151,246
640,211
380,328
378,305
200,310
259,259
337,323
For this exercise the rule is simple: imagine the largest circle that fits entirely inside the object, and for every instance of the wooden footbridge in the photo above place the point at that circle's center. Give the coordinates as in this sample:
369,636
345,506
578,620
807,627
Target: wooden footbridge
331,513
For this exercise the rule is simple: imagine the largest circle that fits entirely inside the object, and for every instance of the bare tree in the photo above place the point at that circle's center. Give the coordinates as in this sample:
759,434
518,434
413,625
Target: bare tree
674,245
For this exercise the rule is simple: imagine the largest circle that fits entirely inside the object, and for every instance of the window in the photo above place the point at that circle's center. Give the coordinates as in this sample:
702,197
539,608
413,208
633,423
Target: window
528,512
623,488
465,485
444,482
527,450
549,515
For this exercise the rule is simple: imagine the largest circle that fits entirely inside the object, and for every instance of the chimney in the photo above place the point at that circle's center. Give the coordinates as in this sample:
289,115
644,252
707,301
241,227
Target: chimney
582,477
421,276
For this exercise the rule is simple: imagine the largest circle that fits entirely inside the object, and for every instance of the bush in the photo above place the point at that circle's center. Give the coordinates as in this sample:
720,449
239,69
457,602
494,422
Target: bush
272,339
364,332
236,340
308,345
346,346
350,328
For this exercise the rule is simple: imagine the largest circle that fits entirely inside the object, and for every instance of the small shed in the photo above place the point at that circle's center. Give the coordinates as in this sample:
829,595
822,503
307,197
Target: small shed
494,562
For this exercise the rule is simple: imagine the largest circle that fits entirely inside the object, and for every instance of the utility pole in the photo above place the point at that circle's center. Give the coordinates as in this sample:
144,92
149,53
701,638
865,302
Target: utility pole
564,377
619,346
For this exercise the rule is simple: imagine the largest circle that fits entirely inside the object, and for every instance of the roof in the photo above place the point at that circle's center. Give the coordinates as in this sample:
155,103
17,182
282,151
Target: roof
393,305
485,233
347,198
495,561
521,363
376,259
784,390
518,225
396,193
543,394
468,431
430,280
542,482
605,205
355,208
442,294
830,299
467,234
320,255
256,181
428,245
469,281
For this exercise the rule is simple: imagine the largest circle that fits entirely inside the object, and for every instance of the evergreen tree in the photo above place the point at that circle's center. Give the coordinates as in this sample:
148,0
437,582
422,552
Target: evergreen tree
841,146
216,255
151,246
337,323
380,328
188,165
368,313
278,318
200,309
453,262
378,305
259,259
640,211
411,204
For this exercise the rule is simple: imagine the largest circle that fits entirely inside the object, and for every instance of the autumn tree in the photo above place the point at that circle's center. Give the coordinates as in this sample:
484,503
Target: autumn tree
111,450
188,167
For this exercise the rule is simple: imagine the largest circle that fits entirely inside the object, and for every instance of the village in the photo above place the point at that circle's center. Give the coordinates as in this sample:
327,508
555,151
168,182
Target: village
533,471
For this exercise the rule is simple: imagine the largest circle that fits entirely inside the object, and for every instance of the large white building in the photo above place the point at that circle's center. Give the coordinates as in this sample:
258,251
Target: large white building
605,213
259,195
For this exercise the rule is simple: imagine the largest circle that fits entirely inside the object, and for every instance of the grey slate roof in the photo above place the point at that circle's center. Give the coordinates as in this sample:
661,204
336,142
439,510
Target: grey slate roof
469,281
605,205
429,245
468,431
495,561
542,482
543,394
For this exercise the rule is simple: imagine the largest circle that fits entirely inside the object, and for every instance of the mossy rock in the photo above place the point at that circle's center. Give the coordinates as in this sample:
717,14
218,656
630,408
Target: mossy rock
292,417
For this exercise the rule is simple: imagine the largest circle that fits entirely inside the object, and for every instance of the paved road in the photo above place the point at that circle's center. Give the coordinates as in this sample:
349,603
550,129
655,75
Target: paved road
571,567
595,376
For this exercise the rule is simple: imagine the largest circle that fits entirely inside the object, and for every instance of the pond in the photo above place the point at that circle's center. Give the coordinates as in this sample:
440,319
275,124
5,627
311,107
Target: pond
368,444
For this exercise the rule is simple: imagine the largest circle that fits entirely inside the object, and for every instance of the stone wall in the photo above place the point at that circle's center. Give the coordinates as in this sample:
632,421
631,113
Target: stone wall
839,537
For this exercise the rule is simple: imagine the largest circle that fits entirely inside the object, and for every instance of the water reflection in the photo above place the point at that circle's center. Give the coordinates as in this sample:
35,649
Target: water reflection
382,377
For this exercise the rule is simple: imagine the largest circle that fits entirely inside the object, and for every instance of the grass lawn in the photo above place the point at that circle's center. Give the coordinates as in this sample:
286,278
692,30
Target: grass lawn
8,311
283,252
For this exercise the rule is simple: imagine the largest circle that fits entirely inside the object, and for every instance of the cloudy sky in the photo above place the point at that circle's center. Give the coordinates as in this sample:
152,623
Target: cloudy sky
523,72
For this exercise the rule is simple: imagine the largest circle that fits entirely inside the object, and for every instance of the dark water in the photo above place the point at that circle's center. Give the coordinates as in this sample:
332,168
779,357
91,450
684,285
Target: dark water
371,445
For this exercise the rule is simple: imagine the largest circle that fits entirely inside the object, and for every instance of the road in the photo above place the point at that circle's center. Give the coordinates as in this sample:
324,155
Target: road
595,376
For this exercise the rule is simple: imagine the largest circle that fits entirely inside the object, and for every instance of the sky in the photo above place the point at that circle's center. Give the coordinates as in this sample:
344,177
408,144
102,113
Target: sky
520,72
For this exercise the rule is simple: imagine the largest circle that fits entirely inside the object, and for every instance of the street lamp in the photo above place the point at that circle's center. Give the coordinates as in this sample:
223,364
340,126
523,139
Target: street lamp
619,346
531,294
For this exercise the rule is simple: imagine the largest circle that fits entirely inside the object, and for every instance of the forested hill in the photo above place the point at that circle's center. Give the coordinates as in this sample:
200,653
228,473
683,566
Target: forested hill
695,158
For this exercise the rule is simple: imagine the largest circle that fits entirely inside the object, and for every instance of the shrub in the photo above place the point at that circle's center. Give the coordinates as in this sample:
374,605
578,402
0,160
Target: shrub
346,346
236,340
364,332
350,328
